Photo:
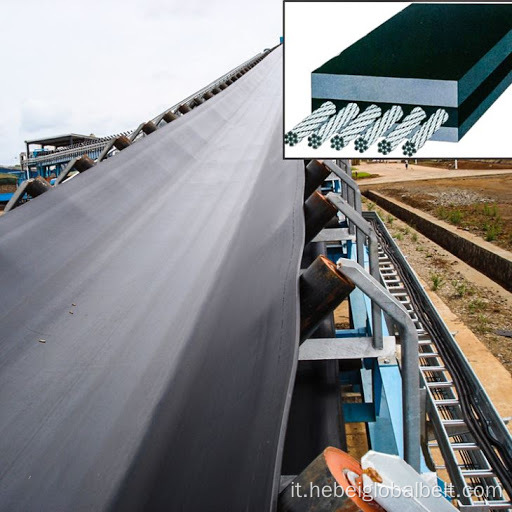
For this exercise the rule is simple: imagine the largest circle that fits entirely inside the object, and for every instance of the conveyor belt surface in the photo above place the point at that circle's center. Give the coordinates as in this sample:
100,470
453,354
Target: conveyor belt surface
149,319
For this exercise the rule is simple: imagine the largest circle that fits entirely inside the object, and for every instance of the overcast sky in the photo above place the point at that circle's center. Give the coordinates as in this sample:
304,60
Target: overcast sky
104,66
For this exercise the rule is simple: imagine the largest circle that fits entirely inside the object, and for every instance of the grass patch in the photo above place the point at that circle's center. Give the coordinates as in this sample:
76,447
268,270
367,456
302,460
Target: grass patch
451,215
460,287
482,323
492,230
362,175
7,179
476,305
437,281
491,210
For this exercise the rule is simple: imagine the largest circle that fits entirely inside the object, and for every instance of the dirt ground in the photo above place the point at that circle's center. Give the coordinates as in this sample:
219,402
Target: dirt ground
481,304
394,171
468,164
5,188
481,205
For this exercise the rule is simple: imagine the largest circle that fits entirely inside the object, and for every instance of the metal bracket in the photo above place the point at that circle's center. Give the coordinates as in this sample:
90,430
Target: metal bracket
409,338
364,229
322,349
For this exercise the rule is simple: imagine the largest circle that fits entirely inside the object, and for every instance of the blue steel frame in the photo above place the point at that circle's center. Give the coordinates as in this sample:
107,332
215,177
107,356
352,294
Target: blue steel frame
380,381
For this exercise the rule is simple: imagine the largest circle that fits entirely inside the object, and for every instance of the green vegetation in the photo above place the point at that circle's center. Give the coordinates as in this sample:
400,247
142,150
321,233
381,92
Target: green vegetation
7,179
482,325
361,175
491,210
476,305
492,231
460,287
414,237
437,281
452,216
390,219
455,217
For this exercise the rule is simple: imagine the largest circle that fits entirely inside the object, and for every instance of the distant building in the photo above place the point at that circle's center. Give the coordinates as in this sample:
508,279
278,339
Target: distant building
47,156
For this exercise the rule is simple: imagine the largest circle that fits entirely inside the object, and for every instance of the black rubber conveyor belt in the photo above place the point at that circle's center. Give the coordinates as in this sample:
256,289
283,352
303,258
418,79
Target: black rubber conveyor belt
149,319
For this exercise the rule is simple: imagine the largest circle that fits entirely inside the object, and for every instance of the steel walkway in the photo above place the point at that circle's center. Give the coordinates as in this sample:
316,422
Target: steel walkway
465,460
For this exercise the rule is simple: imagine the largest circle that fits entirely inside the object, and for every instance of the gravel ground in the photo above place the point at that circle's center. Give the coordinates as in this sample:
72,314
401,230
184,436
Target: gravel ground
481,308
481,205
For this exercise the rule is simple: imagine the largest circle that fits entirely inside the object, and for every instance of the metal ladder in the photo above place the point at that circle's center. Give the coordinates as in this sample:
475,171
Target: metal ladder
470,473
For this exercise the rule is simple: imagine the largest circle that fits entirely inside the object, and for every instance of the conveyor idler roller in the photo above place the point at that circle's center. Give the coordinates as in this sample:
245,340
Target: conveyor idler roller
322,289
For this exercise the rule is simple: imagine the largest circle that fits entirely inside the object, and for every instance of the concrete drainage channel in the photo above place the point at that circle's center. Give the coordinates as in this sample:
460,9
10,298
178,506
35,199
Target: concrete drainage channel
495,266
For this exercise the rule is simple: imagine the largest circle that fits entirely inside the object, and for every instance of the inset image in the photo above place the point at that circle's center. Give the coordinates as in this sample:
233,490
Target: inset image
397,80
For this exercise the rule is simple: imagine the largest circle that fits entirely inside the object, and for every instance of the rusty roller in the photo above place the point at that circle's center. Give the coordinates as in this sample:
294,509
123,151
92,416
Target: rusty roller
316,174
37,186
197,101
322,289
324,485
33,187
223,86
83,163
207,95
122,142
184,108
318,211
149,128
169,117
216,90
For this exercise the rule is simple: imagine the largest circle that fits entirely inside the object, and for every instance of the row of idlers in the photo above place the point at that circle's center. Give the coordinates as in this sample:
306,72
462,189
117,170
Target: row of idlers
36,186
323,287
323,485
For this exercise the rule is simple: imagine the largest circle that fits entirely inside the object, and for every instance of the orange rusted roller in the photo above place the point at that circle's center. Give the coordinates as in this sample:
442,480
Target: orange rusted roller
316,174
149,127
324,486
37,186
83,163
122,142
184,108
318,211
169,117
322,289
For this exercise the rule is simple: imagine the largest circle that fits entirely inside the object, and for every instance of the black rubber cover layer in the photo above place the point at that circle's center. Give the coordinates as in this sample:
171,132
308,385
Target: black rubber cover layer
429,41
452,56
149,319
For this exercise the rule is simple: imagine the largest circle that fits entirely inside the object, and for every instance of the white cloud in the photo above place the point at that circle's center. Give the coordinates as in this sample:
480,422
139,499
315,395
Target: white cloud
37,115
106,68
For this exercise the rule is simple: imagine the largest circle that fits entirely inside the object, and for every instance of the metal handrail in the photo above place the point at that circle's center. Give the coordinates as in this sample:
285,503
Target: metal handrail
363,228
410,353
